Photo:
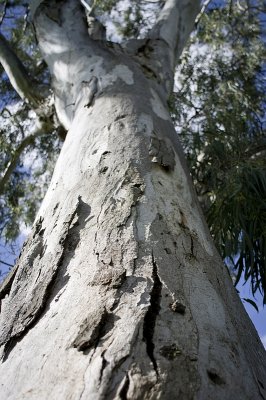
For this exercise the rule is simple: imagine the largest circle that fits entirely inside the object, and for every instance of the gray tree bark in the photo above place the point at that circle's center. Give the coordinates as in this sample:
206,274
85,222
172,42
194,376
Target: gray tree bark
119,292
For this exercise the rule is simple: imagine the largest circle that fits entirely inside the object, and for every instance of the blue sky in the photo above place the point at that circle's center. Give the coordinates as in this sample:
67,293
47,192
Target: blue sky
258,318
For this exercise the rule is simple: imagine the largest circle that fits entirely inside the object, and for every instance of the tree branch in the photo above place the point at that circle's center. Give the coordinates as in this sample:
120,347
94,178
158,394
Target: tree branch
41,128
18,76
174,25
7,264
202,11
3,12
257,151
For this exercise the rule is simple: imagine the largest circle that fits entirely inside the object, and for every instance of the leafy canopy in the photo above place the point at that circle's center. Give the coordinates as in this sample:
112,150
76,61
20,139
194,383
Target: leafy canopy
219,109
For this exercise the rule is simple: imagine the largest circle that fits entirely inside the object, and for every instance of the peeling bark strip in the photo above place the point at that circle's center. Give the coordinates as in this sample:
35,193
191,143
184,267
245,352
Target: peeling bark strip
162,153
151,315
35,276
90,330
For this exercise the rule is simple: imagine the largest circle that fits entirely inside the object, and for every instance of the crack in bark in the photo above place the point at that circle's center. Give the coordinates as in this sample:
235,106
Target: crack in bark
191,246
123,392
151,315
112,377
87,92
137,191
104,364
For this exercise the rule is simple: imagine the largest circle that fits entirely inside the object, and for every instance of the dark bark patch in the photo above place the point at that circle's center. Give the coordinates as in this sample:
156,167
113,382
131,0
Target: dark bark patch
177,307
183,220
149,72
86,93
170,352
93,329
90,330
215,377
121,116
38,228
261,384
167,250
102,167
124,390
151,315
52,10
104,365
109,275
55,208
103,170
192,247
262,389
162,153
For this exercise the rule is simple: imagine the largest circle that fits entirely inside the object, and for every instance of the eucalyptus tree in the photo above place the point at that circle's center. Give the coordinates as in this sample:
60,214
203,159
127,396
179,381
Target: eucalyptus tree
119,291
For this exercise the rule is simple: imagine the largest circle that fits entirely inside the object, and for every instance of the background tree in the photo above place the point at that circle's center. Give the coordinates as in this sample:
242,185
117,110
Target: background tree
119,285
220,113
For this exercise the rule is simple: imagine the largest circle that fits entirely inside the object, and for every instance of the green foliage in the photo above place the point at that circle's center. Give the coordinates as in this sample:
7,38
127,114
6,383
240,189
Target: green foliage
131,19
29,181
219,110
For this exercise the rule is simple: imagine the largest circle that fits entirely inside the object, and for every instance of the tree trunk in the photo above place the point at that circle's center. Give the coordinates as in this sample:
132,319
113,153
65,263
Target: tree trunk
119,292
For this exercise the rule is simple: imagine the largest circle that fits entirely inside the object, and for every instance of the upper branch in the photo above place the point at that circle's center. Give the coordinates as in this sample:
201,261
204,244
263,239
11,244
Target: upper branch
174,25
18,76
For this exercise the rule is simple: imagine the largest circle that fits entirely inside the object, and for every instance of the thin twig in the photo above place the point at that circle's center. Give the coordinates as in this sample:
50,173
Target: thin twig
5,263
3,12
202,11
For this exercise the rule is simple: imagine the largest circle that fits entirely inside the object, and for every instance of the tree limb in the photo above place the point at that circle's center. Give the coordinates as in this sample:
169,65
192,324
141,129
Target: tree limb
202,11
174,25
18,76
41,128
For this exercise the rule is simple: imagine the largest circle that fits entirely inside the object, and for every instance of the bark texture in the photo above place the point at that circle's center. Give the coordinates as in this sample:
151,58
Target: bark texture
119,292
